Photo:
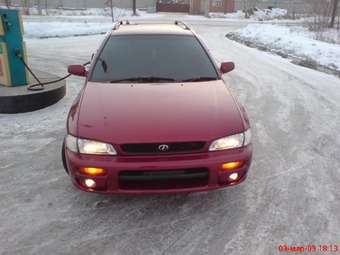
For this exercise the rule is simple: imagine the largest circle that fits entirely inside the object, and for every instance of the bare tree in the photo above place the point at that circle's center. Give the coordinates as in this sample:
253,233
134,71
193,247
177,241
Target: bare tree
291,9
206,7
134,7
245,8
321,12
39,7
112,15
46,7
25,4
334,12
8,3
249,7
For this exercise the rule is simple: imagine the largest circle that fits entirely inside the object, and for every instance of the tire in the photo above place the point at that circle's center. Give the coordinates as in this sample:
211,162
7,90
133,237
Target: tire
63,157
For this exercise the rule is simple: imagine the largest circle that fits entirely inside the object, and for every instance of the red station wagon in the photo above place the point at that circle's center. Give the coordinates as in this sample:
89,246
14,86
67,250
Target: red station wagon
155,116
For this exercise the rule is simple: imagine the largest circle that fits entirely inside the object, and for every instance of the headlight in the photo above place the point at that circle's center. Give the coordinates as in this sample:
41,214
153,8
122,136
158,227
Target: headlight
85,146
94,147
71,143
231,142
247,137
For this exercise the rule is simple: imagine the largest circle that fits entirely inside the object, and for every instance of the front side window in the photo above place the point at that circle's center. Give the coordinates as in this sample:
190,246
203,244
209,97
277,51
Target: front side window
171,57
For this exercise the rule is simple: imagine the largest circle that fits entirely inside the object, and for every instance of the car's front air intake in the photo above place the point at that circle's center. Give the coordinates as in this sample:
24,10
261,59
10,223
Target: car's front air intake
163,148
163,179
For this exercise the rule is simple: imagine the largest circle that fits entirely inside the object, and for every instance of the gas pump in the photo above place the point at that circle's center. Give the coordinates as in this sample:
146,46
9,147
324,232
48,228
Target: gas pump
12,49
18,92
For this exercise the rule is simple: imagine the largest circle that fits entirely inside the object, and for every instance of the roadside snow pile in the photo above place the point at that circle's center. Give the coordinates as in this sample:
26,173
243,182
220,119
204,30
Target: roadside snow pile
232,15
330,35
73,22
254,14
117,12
64,29
295,42
269,14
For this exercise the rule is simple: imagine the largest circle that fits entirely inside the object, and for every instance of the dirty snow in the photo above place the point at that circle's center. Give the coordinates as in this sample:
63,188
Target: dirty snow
117,12
259,14
269,14
293,40
331,35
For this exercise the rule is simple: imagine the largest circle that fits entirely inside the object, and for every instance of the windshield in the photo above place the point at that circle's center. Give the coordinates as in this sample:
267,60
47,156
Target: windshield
153,58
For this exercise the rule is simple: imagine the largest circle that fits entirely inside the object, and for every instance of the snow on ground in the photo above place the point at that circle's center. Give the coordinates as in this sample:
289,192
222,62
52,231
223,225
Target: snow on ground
73,22
63,23
291,195
331,35
258,14
269,14
233,15
63,29
64,26
292,41
117,12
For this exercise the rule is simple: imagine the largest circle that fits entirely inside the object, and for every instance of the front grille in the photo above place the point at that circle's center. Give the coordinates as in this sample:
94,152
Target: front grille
153,148
166,179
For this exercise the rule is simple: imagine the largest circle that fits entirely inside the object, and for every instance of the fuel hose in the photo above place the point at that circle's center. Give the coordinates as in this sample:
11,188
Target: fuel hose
41,85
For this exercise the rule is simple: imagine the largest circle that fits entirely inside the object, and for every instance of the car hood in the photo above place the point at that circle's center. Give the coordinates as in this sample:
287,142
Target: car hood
164,112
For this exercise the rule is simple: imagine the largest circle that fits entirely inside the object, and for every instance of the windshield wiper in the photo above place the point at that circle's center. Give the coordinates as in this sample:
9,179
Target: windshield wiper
144,79
200,79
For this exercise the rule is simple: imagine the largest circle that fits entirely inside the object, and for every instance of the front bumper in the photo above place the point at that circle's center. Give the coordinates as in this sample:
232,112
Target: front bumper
115,165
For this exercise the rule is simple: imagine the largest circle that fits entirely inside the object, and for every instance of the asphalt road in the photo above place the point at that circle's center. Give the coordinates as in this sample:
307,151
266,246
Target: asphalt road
291,195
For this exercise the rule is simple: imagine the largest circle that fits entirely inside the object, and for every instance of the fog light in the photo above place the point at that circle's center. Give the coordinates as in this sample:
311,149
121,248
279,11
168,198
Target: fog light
90,183
94,171
232,165
233,177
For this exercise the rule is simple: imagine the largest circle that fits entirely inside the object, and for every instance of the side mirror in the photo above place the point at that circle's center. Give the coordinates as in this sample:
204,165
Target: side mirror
78,70
227,67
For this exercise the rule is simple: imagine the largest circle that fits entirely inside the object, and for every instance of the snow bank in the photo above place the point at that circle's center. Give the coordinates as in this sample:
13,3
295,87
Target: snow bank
65,23
331,35
295,41
64,29
258,14
117,12
233,15
69,22
269,14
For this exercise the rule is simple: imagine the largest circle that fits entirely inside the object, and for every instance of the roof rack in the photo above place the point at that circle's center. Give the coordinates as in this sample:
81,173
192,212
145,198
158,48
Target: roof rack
119,23
127,22
182,24
116,26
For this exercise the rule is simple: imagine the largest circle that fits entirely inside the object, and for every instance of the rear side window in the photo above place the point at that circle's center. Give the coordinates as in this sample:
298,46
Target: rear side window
178,57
